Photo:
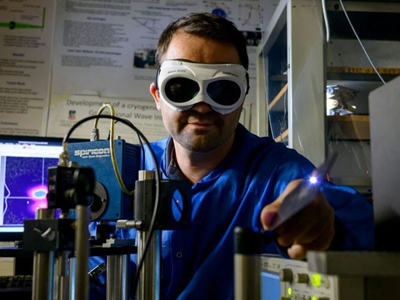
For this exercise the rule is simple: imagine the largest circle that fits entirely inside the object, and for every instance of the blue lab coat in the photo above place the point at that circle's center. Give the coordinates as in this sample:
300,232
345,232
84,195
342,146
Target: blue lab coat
198,263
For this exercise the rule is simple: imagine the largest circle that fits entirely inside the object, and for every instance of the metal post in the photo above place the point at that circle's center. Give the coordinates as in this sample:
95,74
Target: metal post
111,273
247,265
118,284
60,291
247,277
118,277
71,282
150,276
41,285
82,253
61,279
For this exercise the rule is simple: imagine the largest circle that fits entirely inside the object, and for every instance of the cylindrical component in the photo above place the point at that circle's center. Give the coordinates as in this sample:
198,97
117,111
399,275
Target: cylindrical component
64,156
118,277
145,175
149,277
60,278
72,274
41,283
302,278
286,275
121,278
111,274
149,283
94,134
82,253
247,267
124,263
125,224
247,277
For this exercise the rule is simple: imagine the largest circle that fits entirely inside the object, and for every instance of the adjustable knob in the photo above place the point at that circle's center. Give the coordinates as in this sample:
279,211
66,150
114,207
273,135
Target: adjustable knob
286,275
302,278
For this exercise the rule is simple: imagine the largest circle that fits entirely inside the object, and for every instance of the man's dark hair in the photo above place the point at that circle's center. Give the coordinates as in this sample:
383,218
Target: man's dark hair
205,25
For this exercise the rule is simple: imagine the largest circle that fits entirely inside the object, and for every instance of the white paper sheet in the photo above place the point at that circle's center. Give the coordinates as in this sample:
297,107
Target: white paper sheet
107,49
26,29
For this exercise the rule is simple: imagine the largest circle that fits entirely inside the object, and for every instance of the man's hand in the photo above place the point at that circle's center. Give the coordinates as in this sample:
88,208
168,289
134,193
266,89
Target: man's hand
310,229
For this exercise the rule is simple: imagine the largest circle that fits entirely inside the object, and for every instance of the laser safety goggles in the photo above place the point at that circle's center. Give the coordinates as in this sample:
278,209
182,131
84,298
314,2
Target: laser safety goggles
182,84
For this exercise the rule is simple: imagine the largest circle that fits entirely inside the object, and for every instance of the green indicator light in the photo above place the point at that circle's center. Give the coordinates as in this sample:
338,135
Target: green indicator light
289,291
316,280
314,298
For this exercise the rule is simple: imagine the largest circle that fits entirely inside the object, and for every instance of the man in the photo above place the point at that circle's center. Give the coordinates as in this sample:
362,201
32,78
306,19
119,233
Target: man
238,179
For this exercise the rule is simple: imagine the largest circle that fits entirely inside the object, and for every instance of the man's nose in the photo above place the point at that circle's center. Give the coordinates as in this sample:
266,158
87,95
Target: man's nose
202,107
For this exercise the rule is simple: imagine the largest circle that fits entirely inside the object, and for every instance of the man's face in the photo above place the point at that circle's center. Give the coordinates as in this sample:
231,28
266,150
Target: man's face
198,129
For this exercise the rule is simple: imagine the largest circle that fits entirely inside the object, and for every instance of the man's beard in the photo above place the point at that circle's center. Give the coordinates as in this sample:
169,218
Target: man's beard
199,140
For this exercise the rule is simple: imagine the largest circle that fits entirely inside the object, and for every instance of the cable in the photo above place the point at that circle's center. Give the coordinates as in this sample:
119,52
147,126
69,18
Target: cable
326,21
112,149
141,143
157,178
361,44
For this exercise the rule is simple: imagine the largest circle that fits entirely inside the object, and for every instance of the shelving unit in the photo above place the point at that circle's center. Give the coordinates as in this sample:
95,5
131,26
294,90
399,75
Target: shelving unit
291,54
348,66
353,127
295,64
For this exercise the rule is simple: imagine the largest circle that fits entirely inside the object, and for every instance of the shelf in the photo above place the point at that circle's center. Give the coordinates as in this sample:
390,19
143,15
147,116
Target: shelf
361,74
281,78
352,127
369,25
348,118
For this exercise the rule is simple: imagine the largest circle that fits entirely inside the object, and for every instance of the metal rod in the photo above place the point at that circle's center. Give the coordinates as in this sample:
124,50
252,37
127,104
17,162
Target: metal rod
71,282
247,270
82,253
61,289
125,275
149,284
41,283
247,277
120,278
111,274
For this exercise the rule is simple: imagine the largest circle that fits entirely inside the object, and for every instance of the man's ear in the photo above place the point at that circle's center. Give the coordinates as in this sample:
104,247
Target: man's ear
156,95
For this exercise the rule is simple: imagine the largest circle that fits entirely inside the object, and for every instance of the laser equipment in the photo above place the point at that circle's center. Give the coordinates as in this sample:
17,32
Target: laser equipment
110,202
97,183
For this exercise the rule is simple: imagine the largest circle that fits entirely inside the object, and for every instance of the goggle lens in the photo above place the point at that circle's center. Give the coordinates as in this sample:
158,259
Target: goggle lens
224,92
181,90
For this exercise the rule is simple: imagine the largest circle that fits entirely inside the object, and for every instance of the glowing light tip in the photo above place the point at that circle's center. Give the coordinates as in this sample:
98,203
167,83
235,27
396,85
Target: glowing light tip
313,180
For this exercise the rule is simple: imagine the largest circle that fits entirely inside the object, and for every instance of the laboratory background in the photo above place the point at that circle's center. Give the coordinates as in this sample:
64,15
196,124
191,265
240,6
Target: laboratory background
324,80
